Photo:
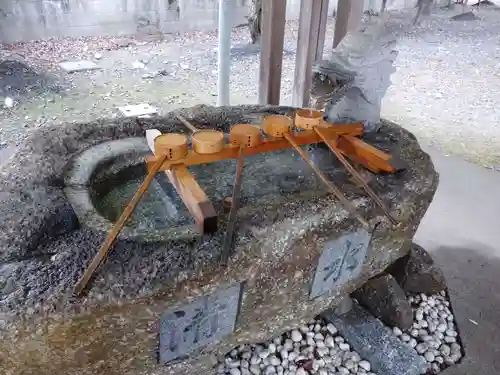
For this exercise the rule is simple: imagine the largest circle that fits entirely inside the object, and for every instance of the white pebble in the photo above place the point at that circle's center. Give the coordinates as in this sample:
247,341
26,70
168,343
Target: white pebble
455,357
272,348
304,329
349,364
405,337
451,333
319,336
331,328
442,327
274,361
235,371
329,342
429,357
449,340
421,348
342,371
255,370
435,368
344,346
397,331
301,371
445,350
296,336
284,354
412,343
365,365
322,351
264,354
310,341
255,360
338,339
439,359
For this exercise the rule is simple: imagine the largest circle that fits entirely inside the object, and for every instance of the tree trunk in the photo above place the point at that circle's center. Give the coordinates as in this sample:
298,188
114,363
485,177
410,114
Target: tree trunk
254,20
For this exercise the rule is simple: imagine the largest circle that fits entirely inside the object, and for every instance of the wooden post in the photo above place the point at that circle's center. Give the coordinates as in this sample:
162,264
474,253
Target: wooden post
310,45
349,15
224,52
271,52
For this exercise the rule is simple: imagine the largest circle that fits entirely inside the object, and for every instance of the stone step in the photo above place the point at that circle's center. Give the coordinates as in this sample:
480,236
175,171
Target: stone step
375,342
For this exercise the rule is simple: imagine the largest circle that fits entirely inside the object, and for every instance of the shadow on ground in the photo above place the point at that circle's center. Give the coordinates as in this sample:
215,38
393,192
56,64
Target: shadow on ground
474,283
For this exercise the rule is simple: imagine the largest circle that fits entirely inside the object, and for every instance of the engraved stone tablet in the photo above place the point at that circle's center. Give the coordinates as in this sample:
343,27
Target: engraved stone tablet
341,260
202,322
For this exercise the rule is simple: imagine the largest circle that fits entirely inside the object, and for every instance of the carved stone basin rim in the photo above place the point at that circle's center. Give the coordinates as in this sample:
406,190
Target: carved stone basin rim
99,163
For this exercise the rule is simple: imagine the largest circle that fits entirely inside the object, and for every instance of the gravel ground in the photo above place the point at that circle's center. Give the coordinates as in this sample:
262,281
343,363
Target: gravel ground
456,115
318,348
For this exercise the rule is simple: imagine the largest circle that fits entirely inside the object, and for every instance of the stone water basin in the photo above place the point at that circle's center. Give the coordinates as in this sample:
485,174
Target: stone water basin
161,304
101,181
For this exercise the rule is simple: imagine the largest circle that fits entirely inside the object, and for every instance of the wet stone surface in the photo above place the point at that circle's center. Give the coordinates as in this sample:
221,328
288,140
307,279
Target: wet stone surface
283,228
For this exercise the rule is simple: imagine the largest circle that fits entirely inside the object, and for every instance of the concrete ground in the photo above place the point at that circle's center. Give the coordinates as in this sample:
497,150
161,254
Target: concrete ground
461,230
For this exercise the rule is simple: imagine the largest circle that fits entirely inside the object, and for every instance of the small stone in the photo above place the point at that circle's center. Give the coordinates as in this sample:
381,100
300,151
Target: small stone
329,343
272,348
301,371
405,337
435,368
274,361
331,328
338,339
439,359
344,346
304,329
365,365
342,371
442,327
448,361
264,354
397,331
451,333
421,348
429,357
412,343
455,357
235,371
296,336
449,339
255,360
414,333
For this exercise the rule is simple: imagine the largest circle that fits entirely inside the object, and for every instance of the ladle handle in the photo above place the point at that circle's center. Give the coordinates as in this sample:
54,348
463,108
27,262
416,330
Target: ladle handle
187,124
356,175
117,228
330,185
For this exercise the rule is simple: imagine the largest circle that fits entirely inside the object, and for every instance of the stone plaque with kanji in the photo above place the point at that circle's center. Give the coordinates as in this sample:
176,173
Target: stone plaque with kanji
192,326
341,260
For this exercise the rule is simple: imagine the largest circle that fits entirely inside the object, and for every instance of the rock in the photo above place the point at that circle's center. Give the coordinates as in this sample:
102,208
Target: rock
175,283
367,335
384,298
467,16
417,273
296,336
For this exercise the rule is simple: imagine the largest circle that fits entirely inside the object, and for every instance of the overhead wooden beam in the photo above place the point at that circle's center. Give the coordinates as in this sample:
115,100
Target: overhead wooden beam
271,50
349,16
310,45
